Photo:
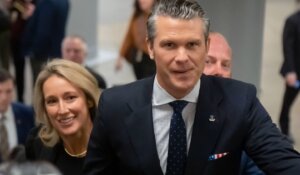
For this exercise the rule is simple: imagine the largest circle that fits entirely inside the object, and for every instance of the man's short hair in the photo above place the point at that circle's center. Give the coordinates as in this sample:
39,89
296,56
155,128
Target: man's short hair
5,75
74,36
180,9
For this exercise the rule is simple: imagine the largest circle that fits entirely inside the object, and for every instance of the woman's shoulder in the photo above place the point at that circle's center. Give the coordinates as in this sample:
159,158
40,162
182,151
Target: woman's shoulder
35,149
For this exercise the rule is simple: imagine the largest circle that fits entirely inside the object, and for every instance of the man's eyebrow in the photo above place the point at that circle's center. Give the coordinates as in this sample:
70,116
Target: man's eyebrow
195,41
166,41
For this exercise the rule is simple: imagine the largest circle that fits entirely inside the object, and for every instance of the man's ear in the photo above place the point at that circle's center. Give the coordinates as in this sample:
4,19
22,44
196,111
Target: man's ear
150,48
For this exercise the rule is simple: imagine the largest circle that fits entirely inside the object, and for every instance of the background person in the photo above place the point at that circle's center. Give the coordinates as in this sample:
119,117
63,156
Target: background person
5,53
219,57
134,47
180,121
219,63
44,32
290,69
20,12
65,100
74,48
28,168
16,119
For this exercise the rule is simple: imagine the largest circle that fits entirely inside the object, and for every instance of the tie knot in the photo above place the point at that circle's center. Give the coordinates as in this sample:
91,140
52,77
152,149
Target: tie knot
178,105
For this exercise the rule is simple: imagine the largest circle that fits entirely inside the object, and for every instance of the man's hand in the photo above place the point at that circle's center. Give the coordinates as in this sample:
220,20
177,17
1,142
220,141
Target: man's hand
291,79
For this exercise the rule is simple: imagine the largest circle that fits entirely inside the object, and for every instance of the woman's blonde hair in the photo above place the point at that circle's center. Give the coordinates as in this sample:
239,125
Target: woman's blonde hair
76,75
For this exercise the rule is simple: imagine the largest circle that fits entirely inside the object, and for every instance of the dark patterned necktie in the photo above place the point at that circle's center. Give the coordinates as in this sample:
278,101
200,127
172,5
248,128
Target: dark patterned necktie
177,152
4,149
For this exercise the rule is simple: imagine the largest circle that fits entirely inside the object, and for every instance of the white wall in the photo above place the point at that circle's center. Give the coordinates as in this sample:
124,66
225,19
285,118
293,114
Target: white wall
83,21
241,21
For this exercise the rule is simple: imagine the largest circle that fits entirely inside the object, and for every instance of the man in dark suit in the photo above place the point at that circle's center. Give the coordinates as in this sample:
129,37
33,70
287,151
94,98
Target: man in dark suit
20,11
180,121
18,118
290,69
219,63
45,31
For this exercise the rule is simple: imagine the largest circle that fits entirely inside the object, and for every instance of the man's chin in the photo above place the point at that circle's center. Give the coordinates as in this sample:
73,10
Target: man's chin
183,87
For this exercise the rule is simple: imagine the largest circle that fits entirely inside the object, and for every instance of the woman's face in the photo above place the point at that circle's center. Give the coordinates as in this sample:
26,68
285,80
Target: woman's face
66,106
145,5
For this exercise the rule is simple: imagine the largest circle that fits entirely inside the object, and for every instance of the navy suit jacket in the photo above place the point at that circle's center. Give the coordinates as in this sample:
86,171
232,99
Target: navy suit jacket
123,140
45,29
291,45
248,167
24,118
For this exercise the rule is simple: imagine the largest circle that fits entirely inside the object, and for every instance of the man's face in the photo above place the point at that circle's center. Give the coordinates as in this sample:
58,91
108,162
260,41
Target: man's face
6,94
73,49
218,61
179,50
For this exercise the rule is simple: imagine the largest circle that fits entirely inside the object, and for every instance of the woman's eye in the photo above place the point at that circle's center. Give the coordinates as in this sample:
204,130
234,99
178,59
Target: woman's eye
69,98
51,101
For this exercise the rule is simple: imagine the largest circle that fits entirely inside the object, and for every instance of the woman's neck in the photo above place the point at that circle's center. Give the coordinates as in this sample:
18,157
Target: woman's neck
77,144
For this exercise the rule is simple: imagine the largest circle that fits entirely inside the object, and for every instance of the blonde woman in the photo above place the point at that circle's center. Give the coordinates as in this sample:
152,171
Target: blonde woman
65,100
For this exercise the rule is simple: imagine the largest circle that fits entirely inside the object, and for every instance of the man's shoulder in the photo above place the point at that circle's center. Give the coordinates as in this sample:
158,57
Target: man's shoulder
229,86
133,95
293,18
136,88
21,105
227,82
22,108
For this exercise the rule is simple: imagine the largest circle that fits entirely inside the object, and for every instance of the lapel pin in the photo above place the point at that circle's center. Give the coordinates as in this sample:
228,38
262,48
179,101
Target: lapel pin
212,118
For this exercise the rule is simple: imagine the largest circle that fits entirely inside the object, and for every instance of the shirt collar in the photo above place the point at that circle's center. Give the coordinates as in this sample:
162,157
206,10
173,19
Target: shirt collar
8,113
161,96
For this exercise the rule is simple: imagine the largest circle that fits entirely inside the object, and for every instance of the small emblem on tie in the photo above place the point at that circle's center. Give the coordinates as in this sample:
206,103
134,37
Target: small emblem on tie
212,118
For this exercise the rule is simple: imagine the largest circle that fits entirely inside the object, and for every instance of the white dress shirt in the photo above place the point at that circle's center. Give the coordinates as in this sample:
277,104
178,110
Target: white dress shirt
162,114
11,127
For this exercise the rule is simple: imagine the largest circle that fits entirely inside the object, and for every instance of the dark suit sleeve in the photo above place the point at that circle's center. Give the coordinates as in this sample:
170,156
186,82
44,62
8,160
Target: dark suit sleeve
44,27
289,46
265,144
248,167
24,116
100,157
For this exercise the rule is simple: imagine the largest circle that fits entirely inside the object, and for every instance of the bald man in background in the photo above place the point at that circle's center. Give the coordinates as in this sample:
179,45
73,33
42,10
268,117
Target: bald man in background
219,63
74,48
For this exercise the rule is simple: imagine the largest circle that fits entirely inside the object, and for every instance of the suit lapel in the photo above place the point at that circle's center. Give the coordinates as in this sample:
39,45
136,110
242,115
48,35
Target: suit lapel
140,128
207,127
18,121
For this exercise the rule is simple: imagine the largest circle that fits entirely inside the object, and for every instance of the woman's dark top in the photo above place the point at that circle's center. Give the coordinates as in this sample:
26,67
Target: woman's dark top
36,150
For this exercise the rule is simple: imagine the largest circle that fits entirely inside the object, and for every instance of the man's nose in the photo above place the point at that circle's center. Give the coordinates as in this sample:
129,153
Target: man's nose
182,55
218,71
